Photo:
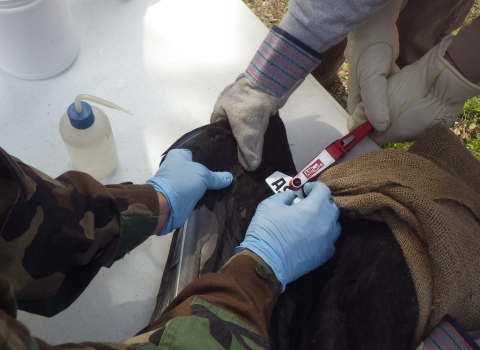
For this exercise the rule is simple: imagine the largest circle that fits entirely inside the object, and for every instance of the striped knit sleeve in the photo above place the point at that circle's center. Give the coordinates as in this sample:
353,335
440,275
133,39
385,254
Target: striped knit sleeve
448,335
280,62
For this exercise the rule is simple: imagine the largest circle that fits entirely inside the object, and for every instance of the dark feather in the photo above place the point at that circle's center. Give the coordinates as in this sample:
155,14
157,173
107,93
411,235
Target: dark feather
368,303
220,219
363,298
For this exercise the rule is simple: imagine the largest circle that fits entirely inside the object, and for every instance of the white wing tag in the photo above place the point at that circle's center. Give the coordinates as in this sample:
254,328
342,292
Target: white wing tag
278,182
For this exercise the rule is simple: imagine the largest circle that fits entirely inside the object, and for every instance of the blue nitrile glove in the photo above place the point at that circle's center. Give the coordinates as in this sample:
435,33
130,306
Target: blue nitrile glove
294,239
183,182
279,66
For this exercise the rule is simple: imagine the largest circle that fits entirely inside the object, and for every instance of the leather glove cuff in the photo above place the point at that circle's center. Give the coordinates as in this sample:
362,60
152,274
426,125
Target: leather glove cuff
280,62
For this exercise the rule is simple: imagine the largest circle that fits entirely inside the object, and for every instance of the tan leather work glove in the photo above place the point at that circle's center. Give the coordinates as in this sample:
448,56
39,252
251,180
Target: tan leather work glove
281,63
248,109
372,50
428,92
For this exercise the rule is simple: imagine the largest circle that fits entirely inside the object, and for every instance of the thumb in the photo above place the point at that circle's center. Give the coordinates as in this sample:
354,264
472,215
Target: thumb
375,101
285,197
307,188
180,153
376,63
218,180
357,118
317,192
376,106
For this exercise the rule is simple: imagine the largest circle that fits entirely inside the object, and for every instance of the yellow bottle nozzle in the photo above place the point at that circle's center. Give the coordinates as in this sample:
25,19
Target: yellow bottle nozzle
78,106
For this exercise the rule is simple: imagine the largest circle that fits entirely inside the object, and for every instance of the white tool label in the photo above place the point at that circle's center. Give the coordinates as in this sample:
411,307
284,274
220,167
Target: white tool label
278,182
313,169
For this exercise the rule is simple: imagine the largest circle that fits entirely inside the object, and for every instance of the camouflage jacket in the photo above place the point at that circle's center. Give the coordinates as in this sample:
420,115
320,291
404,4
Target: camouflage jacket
56,234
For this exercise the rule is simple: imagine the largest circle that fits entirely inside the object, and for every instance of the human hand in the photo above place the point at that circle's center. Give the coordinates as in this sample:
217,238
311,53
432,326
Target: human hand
372,50
279,66
294,239
248,109
428,92
183,182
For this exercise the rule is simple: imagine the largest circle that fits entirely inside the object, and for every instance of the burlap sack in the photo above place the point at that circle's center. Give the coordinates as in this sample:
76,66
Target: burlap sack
430,198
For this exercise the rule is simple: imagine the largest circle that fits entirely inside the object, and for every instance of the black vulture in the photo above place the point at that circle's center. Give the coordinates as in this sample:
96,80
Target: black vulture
363,298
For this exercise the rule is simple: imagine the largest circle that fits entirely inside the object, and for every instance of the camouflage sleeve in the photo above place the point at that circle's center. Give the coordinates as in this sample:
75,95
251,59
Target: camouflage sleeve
14,335
57,233
230,309
207,327
226,310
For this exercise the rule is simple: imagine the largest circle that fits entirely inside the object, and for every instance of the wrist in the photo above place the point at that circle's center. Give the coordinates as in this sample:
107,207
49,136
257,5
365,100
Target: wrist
163,214
248,252
168,202
265,252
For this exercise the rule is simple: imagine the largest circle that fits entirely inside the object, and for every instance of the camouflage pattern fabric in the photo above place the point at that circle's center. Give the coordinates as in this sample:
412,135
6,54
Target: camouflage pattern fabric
55,234
230,309
199,325
206,327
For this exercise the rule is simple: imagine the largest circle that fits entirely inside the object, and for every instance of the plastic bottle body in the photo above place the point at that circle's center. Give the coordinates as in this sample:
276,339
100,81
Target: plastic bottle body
91,150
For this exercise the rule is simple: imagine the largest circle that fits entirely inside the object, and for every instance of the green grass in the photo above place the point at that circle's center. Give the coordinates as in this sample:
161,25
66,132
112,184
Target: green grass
474,12
467,126
398,145
473,144
270,12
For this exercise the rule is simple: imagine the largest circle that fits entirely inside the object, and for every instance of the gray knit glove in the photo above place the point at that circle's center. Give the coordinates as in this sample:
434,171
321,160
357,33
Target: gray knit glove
281,63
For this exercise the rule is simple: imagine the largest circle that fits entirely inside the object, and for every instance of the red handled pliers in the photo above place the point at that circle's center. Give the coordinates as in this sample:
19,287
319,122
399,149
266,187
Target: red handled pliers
329,156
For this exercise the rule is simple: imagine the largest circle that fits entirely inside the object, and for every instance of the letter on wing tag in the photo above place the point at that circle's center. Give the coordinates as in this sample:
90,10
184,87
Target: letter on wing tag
278,182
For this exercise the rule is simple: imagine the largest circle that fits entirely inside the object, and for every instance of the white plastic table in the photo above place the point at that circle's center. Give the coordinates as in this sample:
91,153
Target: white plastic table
165,61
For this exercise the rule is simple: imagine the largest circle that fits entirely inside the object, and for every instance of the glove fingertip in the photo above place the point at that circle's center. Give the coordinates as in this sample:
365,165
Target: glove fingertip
318,191
377,112
355,120
287,197
335,208
215,117
180,153
250,163
307,188
219,180
380,125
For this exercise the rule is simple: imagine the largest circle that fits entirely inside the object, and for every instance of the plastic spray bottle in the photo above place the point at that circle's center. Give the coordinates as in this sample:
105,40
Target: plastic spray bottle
88,137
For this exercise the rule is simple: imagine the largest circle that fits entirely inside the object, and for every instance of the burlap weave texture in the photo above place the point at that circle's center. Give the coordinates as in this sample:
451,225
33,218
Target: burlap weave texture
430,199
